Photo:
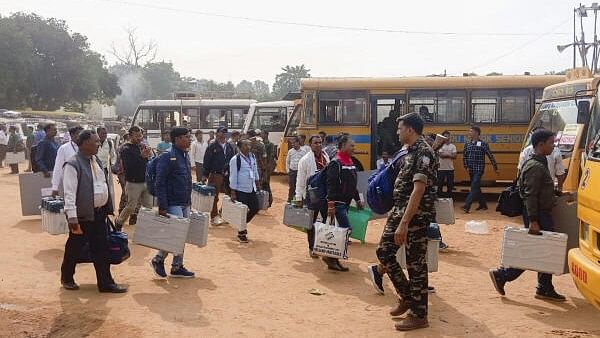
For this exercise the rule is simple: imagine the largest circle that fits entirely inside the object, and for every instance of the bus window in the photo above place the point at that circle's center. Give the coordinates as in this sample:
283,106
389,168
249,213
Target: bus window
451,106
538,94
515,106
238,116
442,106
347,107
484,105
387,110
294,122
308,110
269,119
215,118
146,118
193,117
593,135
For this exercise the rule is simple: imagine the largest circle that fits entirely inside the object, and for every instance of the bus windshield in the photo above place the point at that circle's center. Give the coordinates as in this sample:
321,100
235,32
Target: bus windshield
294,122
270,119
593,137
555,116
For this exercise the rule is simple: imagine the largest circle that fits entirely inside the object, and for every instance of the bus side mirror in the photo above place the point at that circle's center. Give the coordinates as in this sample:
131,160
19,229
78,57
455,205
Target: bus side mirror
583,112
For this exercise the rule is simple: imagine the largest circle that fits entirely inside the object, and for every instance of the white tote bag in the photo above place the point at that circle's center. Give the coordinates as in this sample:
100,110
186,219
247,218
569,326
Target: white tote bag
331,241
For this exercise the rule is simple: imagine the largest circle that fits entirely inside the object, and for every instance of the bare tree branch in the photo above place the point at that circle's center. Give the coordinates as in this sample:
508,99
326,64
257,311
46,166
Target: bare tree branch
136,53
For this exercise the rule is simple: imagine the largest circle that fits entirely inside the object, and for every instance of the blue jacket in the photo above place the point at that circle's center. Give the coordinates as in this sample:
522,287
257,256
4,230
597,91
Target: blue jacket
173,179
45,154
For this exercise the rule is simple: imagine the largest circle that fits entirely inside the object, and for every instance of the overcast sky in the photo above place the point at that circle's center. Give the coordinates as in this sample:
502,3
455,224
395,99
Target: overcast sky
223,48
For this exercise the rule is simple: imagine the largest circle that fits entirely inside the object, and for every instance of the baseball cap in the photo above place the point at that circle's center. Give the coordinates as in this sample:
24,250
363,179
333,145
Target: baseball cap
221,130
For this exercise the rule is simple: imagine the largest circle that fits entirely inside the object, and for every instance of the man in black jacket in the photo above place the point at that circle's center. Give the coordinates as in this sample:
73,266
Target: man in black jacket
134,157
216,168
536,187
87,205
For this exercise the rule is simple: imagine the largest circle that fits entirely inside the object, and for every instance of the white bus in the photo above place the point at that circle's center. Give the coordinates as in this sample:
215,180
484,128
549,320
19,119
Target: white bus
156,116
269,116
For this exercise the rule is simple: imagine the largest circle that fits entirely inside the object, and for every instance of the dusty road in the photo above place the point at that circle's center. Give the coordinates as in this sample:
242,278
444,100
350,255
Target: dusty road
262,289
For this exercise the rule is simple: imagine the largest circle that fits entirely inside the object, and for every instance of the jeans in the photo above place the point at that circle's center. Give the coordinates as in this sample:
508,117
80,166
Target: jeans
445,177
95,233
544,279
179,211
475,192
341,215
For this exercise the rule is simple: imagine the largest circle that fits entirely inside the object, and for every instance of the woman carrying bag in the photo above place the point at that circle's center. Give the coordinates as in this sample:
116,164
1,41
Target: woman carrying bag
341,190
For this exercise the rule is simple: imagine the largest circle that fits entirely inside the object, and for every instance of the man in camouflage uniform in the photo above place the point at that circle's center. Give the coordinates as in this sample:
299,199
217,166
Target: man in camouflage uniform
258,149
270,164
414,195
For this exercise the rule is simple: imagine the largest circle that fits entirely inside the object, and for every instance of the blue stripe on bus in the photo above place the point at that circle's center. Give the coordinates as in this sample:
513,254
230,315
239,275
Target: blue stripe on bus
361,138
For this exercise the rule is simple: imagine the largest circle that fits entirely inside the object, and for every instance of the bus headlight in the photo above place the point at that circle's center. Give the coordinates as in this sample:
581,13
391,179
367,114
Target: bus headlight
585,231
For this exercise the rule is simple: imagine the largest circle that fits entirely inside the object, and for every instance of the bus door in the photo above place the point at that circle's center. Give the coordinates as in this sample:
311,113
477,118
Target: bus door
385,109
289,131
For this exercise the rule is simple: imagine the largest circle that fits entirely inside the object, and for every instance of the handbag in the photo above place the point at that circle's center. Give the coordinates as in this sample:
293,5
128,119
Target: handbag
118,246
330,240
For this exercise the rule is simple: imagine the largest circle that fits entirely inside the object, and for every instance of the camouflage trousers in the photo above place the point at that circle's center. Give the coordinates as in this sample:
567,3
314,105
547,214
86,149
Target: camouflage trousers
414,289
265,183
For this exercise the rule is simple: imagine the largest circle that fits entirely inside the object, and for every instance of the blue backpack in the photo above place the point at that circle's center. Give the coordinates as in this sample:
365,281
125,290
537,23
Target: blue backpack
380,192
316,189
151,174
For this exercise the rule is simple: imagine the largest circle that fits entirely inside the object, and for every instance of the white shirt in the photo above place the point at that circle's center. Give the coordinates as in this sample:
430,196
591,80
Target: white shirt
293,158
3,138
381,163
306,168
64,153
106,154
198,151
306,148
447,163
555,164
70,188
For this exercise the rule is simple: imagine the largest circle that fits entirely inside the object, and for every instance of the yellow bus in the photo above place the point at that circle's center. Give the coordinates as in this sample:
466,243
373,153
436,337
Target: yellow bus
571,110
501,105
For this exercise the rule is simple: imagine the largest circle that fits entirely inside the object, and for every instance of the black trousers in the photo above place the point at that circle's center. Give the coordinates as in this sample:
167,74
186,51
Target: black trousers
292,177
249,199
321,208
96,234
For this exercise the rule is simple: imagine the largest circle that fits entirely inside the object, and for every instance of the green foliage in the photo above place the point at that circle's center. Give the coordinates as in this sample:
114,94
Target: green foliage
289,80
44,66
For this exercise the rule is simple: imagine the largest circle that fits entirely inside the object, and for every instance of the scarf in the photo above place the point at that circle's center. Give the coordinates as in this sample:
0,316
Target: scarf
344,158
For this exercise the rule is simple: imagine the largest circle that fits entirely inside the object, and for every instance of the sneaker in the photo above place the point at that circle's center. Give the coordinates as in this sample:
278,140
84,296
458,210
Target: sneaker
242,238
443,246
551,295
71,286
217,220
497,281
465,210
482,208
376,278
159,269
181,272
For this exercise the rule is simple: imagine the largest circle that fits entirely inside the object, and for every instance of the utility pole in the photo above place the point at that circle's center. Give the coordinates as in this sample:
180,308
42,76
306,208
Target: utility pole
579,44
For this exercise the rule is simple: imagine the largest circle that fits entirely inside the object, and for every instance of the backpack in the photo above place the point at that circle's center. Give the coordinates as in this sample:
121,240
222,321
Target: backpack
510,203
380,191
316,189
151,174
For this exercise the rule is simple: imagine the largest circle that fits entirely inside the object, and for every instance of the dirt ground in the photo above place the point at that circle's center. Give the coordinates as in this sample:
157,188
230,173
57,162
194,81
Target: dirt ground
262,289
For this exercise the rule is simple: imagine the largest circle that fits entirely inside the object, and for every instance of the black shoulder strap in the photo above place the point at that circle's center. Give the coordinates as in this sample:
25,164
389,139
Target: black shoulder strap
238,161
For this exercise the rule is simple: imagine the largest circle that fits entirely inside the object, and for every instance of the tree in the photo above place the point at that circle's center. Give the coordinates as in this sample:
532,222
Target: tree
135,53
244,89
261,90
289,80
162,79
493,74
45,66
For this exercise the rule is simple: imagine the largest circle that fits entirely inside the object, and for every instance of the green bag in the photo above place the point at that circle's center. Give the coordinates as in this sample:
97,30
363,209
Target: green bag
358,220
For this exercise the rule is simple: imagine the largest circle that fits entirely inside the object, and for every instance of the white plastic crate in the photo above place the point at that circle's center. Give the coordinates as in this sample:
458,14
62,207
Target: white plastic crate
202,203
263,199
54,223
234,213
154,231
433,248
198,232
543,253
444,211
298,217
